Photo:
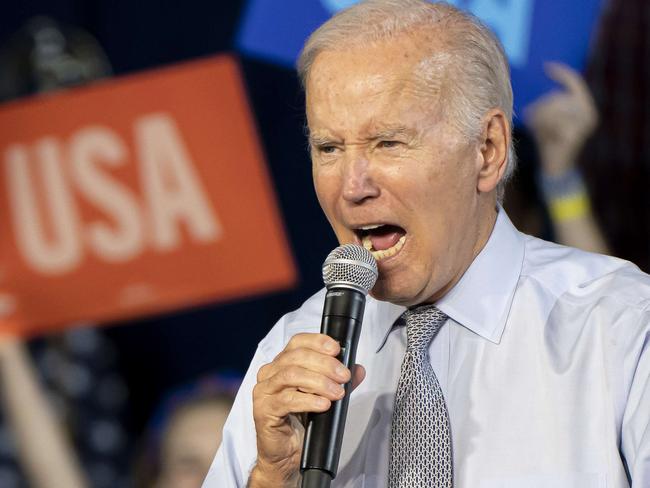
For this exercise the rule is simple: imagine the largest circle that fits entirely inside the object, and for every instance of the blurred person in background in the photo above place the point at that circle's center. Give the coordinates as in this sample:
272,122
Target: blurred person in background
615,161
593,141
561,122
181,441
62,395
42,447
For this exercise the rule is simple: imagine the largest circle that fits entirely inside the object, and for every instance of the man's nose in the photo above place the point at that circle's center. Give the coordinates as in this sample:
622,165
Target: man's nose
358,181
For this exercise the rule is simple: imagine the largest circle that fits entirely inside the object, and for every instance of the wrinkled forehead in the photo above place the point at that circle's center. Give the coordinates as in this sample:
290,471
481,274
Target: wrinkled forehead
404,67
423,49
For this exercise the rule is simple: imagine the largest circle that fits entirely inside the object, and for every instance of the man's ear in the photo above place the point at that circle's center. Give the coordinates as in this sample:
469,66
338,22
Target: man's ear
494,150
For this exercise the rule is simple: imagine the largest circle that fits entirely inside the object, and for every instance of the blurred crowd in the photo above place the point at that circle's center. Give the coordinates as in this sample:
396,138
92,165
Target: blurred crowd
584,153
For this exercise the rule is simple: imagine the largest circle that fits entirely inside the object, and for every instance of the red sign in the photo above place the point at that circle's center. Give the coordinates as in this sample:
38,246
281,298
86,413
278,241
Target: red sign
135,196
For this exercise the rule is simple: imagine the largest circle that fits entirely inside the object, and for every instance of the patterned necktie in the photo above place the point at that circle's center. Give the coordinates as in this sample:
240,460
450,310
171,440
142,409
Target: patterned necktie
420,441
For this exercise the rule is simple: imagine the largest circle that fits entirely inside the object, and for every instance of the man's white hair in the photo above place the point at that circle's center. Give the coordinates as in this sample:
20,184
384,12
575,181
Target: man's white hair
471,71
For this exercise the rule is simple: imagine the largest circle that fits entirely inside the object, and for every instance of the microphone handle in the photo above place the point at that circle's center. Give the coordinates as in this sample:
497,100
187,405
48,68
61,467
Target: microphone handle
342,316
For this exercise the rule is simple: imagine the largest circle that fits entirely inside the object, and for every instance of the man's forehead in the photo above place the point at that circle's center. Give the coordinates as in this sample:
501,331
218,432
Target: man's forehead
391,106
398,66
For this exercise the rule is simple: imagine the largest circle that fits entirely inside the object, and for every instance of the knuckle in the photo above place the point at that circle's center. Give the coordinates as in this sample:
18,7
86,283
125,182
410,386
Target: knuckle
263,372
293,401
260,398
296,340
289,356
256,391
291,375
290,397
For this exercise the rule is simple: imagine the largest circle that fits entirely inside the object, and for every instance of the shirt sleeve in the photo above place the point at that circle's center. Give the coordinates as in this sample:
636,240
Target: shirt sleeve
635,436
238,451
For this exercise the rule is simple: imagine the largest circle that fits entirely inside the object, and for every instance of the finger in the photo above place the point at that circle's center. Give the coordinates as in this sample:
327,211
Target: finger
309,359
570,79
288,402
298,401
314,361
317,342
302,379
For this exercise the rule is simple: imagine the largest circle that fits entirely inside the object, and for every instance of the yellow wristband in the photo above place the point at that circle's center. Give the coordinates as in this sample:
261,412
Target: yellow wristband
569,207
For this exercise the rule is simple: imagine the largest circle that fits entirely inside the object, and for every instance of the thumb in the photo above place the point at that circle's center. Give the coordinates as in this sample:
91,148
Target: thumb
358,375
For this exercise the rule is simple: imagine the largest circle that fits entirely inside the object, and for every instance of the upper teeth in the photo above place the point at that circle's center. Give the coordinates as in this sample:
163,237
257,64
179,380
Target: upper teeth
370,227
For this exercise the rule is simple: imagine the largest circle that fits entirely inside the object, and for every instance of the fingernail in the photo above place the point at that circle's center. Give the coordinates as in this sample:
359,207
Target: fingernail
322,402
336,389
331,346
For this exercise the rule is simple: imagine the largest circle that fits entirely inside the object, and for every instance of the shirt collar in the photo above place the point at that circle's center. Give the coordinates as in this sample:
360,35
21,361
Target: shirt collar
481,300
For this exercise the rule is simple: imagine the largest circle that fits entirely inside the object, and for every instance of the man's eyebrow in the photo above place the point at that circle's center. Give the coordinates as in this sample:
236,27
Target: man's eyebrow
390,132
387,132
318,140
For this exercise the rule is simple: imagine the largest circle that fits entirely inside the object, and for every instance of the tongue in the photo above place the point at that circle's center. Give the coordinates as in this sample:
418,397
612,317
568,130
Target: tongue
385,238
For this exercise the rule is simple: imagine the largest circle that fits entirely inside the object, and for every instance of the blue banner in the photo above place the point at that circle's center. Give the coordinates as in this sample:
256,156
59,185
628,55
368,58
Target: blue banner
532,32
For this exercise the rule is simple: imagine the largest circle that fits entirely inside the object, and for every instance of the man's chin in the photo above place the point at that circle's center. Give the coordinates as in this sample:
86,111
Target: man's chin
386,292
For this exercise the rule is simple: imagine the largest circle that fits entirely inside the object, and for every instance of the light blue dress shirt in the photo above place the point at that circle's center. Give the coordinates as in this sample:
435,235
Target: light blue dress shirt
544,363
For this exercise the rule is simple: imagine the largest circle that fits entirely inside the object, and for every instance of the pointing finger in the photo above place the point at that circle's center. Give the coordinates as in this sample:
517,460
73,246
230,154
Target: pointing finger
570,79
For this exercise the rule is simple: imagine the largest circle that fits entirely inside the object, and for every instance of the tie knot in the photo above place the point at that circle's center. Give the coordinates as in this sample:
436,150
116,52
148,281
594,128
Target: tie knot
422,324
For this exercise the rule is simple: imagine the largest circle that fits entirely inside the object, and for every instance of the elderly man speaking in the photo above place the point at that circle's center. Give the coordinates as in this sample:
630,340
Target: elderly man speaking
488,358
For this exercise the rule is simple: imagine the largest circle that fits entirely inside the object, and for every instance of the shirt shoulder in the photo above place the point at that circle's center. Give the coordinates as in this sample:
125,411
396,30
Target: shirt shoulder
561,271
306,318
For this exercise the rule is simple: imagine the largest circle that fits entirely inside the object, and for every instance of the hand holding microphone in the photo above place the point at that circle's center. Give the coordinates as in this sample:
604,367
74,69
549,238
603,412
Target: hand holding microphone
307,377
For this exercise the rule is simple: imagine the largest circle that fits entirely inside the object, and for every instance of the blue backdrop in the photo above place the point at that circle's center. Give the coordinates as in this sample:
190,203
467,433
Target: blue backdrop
532,32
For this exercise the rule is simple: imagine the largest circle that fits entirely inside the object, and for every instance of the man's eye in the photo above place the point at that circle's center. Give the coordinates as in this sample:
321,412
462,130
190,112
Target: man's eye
388,144
327,149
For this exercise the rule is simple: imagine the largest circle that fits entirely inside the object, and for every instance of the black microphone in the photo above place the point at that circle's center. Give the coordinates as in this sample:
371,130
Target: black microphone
349,272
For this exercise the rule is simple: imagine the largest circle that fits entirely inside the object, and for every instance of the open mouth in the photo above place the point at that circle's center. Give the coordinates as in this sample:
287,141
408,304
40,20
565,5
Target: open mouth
382,240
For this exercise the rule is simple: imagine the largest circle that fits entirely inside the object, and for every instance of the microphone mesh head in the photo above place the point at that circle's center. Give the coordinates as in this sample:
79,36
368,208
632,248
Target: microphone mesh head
351,266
